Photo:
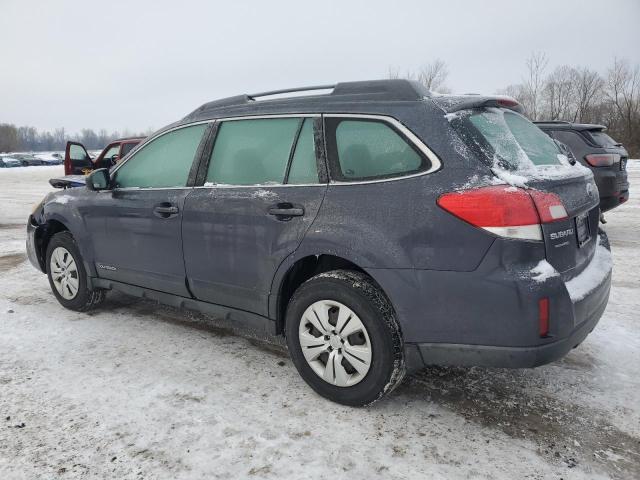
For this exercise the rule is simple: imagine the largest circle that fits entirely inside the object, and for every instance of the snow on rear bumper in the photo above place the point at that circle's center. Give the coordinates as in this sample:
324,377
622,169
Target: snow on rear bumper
596,272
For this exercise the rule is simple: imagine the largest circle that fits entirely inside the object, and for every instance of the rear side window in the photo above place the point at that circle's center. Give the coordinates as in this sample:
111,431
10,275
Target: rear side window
365,149
163,162
264,151
572,139
126,148
304,166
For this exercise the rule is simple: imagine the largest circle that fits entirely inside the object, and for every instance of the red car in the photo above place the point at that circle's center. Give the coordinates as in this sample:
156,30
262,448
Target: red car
78,162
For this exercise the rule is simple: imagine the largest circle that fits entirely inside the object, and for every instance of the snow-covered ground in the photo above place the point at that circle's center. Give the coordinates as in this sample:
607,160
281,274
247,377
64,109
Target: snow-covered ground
137,390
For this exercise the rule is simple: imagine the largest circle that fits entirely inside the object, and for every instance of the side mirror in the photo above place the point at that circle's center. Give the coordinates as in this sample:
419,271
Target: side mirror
98,179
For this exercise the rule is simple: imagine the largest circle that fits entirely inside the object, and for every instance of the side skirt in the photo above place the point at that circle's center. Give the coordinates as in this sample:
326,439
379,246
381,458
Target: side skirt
240,317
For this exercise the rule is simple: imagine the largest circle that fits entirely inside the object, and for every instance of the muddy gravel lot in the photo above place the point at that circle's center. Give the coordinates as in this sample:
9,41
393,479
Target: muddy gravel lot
137,390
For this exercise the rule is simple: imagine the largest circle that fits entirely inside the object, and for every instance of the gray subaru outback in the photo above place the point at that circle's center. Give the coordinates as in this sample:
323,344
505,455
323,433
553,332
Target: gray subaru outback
377,226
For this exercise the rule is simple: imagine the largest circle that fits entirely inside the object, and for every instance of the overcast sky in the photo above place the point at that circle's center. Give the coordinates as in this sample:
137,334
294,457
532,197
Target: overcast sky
140,64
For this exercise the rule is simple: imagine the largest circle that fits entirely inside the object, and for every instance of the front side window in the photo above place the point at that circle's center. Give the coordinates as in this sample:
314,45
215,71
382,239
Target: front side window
163,162
252,152
77,152
363,149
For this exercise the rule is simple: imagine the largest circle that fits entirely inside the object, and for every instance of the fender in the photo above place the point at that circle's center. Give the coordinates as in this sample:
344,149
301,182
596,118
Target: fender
73,220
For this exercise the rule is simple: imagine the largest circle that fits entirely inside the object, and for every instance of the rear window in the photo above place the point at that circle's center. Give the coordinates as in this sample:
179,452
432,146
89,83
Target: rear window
602,139
510,140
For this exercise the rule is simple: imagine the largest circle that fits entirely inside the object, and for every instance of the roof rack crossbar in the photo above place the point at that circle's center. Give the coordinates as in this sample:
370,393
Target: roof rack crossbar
253,96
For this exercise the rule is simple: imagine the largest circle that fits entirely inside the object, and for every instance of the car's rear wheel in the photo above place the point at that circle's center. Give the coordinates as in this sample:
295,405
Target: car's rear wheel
67,275
344,338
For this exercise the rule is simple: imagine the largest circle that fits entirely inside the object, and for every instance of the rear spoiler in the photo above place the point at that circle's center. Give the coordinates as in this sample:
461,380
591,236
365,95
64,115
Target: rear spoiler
451,104
68,181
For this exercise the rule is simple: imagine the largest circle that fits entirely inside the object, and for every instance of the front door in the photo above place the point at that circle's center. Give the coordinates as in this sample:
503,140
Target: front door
262,190
76,159
143,214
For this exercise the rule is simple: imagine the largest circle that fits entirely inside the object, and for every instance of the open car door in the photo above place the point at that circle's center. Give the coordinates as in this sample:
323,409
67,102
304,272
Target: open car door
76,159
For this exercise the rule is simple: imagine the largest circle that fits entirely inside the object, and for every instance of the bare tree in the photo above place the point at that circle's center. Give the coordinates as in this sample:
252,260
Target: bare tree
623,90
8,137
394,73
434,75
534,83
558,94
588,87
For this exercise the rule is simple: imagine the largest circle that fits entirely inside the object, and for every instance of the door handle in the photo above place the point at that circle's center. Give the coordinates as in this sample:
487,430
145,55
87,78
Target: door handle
165,210
286,210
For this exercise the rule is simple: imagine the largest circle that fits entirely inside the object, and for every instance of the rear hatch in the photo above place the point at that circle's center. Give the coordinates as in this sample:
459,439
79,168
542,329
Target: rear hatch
521,155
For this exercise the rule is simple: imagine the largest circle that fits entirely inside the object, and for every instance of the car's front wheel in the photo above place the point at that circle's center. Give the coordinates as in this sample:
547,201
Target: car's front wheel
67,275
344,339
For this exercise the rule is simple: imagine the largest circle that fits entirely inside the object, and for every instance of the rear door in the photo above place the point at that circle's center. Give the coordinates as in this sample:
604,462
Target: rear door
141,216
76,159
258,194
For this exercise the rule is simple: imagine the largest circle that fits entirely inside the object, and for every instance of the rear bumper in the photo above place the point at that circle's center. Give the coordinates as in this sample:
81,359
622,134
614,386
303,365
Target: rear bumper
490,317
608,203
613,186
588,313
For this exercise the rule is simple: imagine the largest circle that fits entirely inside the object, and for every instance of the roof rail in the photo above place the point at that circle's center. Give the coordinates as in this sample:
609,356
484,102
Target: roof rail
552,121
253,96
380,90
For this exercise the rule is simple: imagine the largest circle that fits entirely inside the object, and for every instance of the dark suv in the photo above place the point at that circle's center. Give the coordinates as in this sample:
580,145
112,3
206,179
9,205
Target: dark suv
606,158
378,227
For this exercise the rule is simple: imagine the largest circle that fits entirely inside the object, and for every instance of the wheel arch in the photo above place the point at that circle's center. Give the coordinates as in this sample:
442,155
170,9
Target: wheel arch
289,277
44,234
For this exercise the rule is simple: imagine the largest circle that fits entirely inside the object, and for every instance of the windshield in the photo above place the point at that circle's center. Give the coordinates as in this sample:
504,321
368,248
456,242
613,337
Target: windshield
511,140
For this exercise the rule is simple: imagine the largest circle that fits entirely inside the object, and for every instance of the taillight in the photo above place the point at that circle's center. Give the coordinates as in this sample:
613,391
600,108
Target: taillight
549,206
505,211
602,159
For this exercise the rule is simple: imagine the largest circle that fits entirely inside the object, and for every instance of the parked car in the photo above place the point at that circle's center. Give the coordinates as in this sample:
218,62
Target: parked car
9,162
50,158
377,227
594,148
78,161
27,160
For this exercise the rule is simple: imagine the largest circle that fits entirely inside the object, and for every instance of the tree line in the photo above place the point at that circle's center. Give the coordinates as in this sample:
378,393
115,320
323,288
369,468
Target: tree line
30,139
571,93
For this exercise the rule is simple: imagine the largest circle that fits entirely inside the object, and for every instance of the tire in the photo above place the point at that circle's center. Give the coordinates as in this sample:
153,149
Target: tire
64,260
362,330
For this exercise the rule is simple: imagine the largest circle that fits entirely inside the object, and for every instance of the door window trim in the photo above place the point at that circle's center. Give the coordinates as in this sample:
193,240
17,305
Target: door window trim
208,141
